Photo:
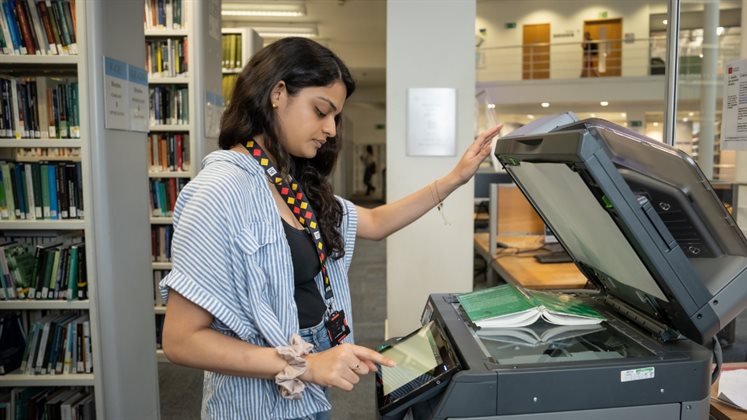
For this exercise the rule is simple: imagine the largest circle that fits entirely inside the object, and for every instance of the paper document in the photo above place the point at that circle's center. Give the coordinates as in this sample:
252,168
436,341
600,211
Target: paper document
732,388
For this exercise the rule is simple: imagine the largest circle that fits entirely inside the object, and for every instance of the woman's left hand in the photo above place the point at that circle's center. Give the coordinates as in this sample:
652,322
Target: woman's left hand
475,154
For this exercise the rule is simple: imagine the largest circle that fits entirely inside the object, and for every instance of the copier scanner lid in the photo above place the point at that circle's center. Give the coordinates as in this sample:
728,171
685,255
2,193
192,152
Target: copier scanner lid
640,220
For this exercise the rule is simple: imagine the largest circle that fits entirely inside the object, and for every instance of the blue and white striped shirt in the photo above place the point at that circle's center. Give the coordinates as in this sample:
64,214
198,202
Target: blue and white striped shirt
230,256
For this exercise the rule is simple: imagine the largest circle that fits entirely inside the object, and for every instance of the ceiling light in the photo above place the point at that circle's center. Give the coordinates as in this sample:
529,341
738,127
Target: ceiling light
491,106
622,114
604,103
720,30
530,116
664,21
690,113
685,119
545,104
270,9
281,31
656,124
593,115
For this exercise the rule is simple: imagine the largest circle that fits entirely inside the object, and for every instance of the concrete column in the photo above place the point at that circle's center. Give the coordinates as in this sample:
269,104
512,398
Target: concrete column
708,86
435,50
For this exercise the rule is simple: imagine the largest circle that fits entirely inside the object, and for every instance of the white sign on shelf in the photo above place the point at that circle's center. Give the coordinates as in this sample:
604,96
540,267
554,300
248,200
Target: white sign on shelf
431,122
734,111
116,102
138,90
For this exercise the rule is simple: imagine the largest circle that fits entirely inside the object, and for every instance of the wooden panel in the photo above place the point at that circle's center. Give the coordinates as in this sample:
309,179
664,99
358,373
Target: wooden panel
608,35
536,51
515,215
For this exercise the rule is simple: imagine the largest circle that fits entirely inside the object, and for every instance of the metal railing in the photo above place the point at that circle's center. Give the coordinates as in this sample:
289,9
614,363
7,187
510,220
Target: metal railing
566,60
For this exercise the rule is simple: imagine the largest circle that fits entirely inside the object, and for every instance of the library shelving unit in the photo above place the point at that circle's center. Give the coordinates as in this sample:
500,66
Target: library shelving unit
238,46
122,381
183,56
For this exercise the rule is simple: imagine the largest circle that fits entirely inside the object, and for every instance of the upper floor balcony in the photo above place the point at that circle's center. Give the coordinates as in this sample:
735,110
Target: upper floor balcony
629,70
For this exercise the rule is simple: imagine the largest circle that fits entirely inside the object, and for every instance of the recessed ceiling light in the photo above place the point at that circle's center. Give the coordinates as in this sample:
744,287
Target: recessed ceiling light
690,114
545,104
491,106
530,116
665,21
604,103
656,124
593,115
268,9
685,119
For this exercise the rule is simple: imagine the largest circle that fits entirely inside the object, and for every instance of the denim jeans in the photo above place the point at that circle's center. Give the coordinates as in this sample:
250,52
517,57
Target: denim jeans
317,335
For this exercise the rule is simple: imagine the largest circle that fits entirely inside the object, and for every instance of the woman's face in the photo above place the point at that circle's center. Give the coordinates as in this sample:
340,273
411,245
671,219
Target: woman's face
306,120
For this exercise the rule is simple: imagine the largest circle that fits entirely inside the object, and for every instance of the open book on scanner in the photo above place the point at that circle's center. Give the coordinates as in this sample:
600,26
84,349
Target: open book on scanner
511,306
537,334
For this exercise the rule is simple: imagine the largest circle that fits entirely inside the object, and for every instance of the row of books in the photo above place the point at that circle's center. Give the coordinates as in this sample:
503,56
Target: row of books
160,241
229,81
158,275
36,107
169,105
163,193
35,191
38,27
231,45
59,343
159,330
37,403
168,152
166,57
54,271
36,154
169,14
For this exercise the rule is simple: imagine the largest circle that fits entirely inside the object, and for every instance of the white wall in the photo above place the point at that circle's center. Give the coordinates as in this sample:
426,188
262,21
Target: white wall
565,16
428,256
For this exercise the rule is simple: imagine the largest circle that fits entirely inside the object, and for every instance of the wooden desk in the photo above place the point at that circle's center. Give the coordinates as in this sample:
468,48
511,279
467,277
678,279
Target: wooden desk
720,411
522,269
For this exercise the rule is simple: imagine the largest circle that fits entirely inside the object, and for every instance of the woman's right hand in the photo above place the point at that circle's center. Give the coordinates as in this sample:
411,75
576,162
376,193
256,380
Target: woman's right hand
341,366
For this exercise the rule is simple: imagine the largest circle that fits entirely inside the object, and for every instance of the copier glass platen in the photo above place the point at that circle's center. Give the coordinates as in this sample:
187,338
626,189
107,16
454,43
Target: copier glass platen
667,263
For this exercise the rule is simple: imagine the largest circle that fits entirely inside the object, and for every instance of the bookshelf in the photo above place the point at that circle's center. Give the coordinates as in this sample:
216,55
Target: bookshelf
20,72
122,380
238,46
183,56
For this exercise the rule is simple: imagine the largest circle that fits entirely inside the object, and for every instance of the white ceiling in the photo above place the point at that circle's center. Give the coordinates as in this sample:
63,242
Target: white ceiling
354,29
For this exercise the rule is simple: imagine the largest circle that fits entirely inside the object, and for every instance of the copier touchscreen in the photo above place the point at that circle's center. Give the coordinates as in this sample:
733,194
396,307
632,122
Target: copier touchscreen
424,360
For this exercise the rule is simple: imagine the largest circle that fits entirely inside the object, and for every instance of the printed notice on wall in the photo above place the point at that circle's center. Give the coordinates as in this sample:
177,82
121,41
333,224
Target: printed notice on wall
116,101
431,122
138,92
734,112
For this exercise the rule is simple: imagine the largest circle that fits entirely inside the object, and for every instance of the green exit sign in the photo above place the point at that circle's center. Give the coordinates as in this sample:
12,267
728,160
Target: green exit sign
510,25
636,123
603,15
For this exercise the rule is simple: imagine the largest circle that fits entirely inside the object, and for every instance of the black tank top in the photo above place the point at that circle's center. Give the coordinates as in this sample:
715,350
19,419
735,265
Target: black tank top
305,267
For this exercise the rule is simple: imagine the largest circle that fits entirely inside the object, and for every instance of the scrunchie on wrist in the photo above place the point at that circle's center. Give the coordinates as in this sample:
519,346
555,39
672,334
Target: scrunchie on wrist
287,381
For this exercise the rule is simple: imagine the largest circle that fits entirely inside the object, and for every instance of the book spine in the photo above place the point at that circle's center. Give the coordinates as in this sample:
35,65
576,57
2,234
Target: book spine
23,24
47,25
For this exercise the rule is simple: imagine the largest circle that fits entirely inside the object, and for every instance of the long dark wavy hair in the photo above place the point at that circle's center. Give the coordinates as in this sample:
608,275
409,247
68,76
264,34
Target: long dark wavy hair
300,63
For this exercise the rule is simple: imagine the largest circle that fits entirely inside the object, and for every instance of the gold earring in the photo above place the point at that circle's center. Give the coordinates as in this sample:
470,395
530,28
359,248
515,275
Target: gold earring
274,105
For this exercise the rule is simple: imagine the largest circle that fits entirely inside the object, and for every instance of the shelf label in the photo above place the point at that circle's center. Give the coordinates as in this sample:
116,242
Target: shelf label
138,91
116,103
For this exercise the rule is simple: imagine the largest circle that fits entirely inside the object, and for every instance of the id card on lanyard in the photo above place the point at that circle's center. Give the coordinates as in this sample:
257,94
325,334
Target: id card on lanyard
294,197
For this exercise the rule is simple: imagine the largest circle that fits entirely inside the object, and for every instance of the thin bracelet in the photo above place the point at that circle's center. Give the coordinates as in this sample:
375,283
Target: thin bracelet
440,203
438,195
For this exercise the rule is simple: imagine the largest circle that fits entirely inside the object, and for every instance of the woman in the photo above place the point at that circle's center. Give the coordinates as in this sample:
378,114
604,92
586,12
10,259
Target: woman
258,293
591,50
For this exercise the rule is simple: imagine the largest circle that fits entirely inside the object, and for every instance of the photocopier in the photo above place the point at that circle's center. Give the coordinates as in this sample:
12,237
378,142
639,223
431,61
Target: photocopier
667,264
